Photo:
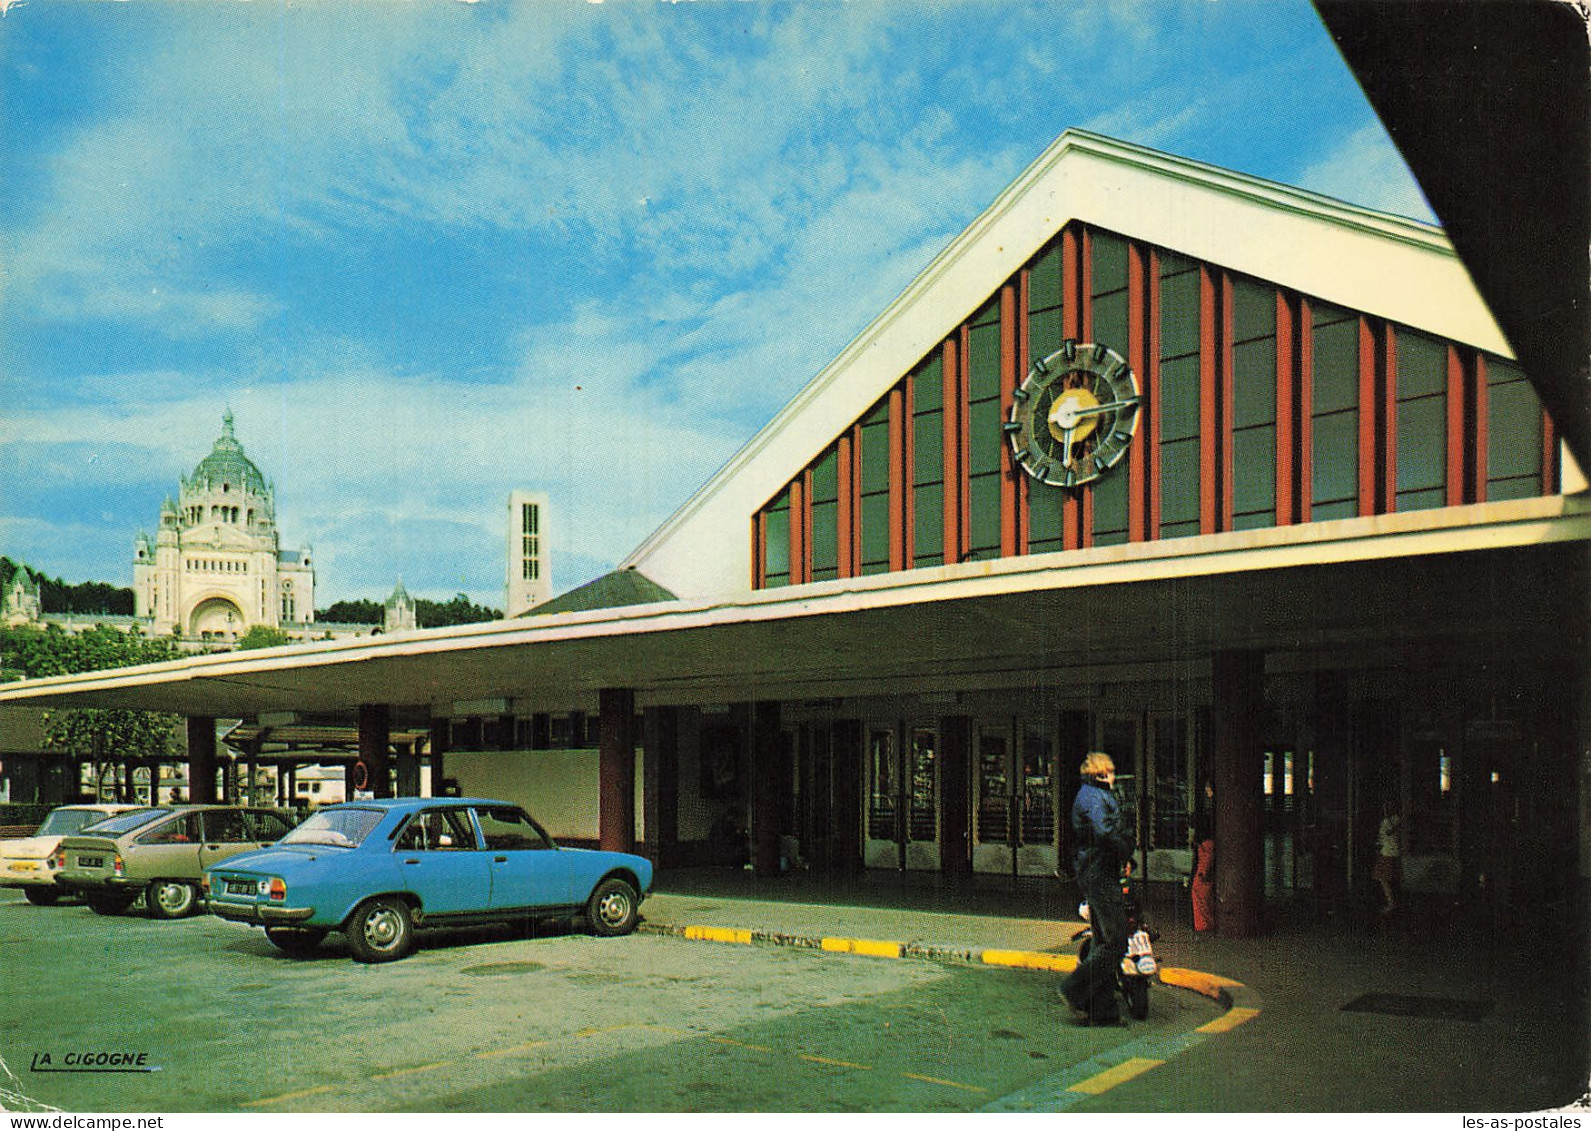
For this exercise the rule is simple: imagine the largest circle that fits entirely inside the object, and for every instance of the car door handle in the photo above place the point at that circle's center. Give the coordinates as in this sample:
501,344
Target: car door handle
499,860
412,860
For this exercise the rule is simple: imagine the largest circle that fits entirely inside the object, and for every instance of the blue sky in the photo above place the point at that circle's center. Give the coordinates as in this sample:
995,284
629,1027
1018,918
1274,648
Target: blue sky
429,252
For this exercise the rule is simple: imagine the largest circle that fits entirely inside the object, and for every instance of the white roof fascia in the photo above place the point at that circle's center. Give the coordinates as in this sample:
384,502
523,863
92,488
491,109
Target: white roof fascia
1385,265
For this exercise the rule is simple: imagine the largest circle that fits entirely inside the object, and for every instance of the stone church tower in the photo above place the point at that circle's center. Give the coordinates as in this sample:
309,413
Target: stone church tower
214,569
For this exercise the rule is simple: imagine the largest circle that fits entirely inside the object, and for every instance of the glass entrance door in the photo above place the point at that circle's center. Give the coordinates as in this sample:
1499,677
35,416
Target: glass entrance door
1037,846
1121,736
1016,830
902,817
994,802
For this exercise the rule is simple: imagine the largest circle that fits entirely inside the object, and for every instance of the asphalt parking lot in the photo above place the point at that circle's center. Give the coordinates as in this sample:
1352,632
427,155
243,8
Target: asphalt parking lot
496,1019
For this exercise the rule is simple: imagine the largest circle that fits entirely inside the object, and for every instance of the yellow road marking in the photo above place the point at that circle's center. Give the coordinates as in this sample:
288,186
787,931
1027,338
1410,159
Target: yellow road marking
718,934
410,1071
526,1047
292,1096
1109,1078
741,1044
946,1083
1031,960
835,1063
1231,1019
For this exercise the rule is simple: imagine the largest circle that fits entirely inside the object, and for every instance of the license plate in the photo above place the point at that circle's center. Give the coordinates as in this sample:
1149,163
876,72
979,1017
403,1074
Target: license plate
25,866
90,861
241,887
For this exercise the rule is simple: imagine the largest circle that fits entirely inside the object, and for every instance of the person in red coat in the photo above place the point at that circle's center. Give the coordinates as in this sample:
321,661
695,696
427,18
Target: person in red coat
1203,885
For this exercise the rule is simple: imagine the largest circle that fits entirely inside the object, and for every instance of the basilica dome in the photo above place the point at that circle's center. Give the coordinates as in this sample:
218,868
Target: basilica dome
226,464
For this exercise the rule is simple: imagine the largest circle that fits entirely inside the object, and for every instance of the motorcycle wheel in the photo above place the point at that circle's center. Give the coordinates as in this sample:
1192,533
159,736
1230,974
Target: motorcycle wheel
1136,991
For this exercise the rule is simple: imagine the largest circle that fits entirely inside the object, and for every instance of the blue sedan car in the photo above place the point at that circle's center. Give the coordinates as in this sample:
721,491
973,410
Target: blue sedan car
377,870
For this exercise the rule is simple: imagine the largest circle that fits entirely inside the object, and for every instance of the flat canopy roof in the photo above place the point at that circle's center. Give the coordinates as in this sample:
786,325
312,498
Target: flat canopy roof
1444,580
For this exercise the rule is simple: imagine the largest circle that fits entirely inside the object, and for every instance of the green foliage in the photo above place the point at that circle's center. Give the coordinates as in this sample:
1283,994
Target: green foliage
89,597
27,651
262,636
352,612
460,610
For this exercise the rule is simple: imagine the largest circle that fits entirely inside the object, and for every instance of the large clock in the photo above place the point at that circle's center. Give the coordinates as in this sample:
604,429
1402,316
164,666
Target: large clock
1074,415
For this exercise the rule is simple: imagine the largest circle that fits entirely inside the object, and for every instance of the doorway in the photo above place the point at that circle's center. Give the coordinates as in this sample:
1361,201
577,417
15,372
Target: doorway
901,818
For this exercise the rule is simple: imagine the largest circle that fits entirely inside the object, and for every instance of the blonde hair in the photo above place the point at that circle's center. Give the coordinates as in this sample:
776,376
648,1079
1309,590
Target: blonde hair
1097,765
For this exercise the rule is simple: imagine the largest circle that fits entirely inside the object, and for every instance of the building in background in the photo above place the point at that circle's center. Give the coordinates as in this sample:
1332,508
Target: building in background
529,564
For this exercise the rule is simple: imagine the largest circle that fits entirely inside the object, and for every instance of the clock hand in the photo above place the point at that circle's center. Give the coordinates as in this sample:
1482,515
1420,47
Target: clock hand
1099,410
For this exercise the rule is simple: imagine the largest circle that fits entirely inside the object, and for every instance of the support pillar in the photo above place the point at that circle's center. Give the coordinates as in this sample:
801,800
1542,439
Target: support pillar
955,803
765,787
660,794
441,741
846,849
616,761
201,760
375,734
1236,713
409,769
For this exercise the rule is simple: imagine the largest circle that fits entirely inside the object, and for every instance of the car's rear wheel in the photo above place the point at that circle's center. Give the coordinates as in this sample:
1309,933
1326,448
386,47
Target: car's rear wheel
42,896
295,940
381,929
171,899
110,903
613,908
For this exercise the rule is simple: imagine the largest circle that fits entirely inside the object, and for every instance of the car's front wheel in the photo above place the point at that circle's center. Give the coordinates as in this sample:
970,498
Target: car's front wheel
381,929
171,899
613,908
295,940
42,896
110,903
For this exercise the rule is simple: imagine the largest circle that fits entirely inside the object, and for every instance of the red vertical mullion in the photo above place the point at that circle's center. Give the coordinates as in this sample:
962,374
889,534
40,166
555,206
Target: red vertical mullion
1459,488
1368,414
1286,411
964,444
1549,455
759,556
856,499
952,466
1389,409
1024,348
1209,402
1224,380
1137,352
898,493
1010,491
1085,295
1482,427
1306,410
800,516
1151,391
1074,253
845,514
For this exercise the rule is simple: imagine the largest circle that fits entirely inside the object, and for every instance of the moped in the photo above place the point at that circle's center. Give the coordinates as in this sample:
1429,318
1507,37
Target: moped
1139,966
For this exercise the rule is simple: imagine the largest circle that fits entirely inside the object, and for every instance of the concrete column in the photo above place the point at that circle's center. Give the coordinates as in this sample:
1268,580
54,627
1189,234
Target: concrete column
408,762
201,760
767,789
848,751
616,763
1236,712
441,742
375,734
660,794
955,803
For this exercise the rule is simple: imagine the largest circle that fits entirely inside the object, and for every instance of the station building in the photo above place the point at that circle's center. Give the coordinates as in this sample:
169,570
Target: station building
1235,482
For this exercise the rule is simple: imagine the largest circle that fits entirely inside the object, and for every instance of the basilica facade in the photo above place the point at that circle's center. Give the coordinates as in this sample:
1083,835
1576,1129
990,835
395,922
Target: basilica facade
215,566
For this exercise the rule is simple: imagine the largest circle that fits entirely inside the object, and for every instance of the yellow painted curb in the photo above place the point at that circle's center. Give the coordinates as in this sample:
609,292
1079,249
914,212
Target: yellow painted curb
718,934
871,947
1210,985
1031,960
1229,1020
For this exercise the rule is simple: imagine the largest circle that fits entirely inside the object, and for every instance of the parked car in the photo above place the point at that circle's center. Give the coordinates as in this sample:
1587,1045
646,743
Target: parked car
29,862
160,853
377,870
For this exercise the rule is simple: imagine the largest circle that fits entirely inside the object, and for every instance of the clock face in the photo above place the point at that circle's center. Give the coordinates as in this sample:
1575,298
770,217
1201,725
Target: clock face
1074,415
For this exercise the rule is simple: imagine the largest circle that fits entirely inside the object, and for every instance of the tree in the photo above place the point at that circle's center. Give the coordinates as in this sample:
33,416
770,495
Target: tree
460,610
261,636
353,612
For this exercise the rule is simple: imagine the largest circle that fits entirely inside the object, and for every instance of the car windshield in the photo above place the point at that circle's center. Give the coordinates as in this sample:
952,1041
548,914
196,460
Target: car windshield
65,822
125,822
340,828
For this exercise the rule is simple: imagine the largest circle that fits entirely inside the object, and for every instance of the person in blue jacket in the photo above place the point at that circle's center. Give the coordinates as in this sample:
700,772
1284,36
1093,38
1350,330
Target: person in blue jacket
1104,843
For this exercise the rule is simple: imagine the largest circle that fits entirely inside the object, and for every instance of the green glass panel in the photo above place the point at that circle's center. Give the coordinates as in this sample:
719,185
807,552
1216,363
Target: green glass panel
1336,366
1173,264
1335,457
928,517
1422,365
1343,508
826,477
1044,281
1253,310
1524,487
1422,444
1428,499
878,414
1110,321
1046,332
1178,529
1046,514
1179,398
1110,504
825,536
984,505
1048,546
928,384
1500,372
1110,262
984,426
1254,470
776,546
988,313
983,364
1255,520
928,447
1513,433
1324,314
1179,315
875,531
1179,483
875,458
1254,383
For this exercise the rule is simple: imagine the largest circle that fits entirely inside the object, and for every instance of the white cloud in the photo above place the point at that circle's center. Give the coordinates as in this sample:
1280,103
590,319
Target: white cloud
1366,169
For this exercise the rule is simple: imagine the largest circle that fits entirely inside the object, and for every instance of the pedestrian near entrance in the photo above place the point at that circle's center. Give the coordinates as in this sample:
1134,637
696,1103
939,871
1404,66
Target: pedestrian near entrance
1388,866
1202,885
1104,844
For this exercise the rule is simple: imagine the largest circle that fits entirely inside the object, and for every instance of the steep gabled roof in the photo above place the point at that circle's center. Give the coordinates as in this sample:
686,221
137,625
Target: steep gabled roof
621,588
1389,266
